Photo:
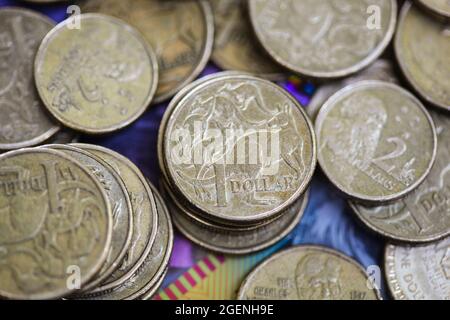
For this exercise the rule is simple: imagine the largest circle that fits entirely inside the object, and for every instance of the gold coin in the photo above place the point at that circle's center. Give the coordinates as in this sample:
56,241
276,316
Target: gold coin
55,224
181,32
97,78
308,273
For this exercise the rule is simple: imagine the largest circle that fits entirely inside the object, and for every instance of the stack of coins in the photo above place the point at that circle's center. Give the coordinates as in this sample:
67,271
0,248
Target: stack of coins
237,154
80,221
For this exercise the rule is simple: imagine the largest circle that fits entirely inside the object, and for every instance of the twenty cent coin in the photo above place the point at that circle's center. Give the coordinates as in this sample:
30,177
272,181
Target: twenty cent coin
308,273
324,39
55,219
23,121
422,46
377,142
97,78
419,273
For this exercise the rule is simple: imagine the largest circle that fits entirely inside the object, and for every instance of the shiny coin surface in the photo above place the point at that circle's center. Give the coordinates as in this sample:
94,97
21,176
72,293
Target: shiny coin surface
440,7
24,121
377,142
308,273
150,274
181,32
324,39
382,70
145,220
239,149
120,204
423,215
422,47
238,241
235,44
419,273
97,78
54,217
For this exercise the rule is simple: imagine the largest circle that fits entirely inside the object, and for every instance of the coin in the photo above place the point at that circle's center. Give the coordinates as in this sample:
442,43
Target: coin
324,39
238,241
213,162
377,142
422,47
24,121
55,222
149,294
440,7
145,220
181,32
63,136
120,204
98,78
382,70
308,273
419,272
235,44
150,274
423,215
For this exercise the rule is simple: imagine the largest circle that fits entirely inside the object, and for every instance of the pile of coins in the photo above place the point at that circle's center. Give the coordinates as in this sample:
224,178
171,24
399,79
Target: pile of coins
80,221
221,199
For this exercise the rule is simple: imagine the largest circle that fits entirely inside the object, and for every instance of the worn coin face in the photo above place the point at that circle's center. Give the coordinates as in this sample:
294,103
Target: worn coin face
152,270
382,70
24,121
422,46
440,7
235,45
324,39
55,219
239,149
419,272
308,273
145,220
424,215
120,204
238,241
97,78
181,32
377,142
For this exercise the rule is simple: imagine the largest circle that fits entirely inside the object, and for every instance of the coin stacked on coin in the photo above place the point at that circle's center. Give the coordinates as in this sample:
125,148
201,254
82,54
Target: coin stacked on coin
237,154
80,221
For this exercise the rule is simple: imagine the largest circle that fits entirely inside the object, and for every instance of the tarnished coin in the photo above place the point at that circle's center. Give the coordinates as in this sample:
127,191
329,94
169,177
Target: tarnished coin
323,38
308,273
239,149
150,274
181,32
120,204
23,121
419,273
238,241
145,219
55,220
377,142
235,44
440,7
424,215
382,70
422,47
97,78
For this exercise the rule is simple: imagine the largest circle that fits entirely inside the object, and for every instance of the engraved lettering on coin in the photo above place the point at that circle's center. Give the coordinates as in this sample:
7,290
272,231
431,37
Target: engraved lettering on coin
377,142
420,272
96,79
323,38
53,214
23,120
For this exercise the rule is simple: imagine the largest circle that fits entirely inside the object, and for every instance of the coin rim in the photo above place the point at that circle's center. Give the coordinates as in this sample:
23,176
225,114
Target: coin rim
100,260
374,55
434,10
361,86
153,63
